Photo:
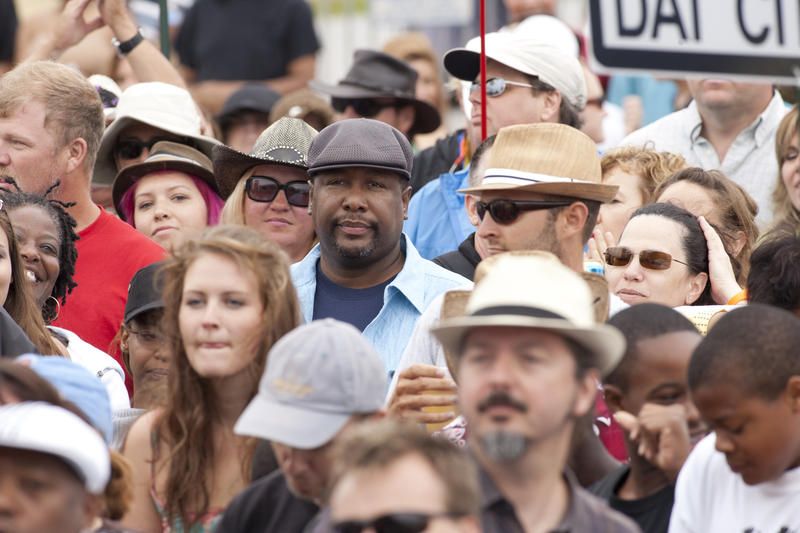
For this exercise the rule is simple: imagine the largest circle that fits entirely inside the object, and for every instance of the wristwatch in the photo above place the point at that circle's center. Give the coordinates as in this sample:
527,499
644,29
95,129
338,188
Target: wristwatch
126,47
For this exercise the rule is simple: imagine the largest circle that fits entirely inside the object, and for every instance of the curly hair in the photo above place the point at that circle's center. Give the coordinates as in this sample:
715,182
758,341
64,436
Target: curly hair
186,426
68,251
652,167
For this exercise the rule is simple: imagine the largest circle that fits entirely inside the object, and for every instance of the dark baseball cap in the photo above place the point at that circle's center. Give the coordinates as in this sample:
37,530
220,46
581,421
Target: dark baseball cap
144,292
360,142
251,97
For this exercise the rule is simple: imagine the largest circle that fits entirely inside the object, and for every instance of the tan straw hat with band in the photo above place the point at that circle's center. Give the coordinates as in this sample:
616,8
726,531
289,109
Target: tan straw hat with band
545,159
535,292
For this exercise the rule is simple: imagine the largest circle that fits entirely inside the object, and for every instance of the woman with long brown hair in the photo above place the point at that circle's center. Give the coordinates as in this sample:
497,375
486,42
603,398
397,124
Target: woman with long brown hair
228,297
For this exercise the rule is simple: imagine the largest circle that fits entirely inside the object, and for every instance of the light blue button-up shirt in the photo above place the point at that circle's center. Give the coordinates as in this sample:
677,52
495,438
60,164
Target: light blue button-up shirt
437,220
404,299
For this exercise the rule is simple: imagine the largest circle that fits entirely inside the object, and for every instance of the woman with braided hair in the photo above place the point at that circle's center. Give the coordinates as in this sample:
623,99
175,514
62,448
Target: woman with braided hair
44,235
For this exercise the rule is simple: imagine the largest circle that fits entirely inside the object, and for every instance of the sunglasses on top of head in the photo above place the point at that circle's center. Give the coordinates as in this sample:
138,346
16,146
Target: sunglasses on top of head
391,523
365,107
132,148
620,256
507,211
266,189
497,86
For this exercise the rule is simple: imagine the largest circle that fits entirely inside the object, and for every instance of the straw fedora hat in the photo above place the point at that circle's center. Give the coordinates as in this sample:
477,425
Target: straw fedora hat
165,155
285,142
546,159
535,292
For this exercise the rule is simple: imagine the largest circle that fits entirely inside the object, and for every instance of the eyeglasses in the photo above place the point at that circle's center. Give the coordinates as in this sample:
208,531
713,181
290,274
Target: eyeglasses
391,523
620,256
265,189
132,148
147,338
507,211
497,86
365,107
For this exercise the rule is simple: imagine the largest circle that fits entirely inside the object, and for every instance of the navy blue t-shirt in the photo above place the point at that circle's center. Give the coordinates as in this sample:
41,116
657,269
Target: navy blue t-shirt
354,306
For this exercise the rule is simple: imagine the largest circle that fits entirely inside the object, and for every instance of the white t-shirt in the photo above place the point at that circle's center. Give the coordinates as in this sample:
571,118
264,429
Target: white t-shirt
710,498
101,365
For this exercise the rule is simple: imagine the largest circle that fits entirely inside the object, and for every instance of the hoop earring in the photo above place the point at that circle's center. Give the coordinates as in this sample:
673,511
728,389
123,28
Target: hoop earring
51,311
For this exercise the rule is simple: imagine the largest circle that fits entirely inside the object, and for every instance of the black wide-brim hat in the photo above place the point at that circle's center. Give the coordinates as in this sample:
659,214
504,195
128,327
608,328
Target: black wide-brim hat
378,75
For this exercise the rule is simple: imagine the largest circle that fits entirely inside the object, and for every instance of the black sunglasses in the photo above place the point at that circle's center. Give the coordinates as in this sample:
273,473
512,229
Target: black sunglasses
265,189
507,211
132,148
620,256
391,523
365,107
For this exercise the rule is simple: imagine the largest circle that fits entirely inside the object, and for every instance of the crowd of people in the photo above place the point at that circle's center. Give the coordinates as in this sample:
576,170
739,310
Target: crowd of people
238,299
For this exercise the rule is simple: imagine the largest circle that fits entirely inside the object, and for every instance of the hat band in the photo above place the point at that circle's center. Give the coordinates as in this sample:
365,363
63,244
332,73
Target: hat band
523,310
519,177
391,91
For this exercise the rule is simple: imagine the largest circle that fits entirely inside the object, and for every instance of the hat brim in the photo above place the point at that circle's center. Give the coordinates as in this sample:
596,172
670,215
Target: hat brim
401,172
426,116
580,190
299,428
129,175
230,164
143,309
105,168
465,64
605,342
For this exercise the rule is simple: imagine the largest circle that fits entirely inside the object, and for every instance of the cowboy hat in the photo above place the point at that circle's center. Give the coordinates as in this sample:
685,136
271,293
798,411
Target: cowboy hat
285,142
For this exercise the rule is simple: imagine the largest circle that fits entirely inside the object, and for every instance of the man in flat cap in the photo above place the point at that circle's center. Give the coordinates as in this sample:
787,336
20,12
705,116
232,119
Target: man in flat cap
364,271
529,80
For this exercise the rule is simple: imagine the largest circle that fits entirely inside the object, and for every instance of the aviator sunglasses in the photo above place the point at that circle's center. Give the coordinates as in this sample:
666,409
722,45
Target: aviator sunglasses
391,523
507,211
620,256
265,189
365,107
497,86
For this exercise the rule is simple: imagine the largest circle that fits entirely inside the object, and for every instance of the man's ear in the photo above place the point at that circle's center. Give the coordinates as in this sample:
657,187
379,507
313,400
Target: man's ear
552,106
406,196
696,287
587,393
310,194
572,220
471,205
77,150
792,392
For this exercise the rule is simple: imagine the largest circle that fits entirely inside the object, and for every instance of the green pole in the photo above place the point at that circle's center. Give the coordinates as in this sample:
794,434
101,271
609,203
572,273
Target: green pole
163,19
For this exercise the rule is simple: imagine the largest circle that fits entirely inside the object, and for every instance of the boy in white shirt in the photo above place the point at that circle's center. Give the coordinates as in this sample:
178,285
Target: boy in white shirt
745,381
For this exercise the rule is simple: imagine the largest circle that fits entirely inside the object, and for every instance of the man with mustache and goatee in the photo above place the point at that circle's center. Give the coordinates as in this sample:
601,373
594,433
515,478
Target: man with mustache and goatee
364,271
527,354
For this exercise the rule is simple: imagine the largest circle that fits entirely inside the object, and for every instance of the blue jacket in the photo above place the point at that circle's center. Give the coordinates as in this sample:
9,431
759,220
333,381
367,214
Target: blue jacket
437,220
404,299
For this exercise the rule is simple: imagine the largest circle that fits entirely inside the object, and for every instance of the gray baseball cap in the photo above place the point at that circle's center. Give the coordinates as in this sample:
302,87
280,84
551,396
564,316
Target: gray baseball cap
360,142
317,377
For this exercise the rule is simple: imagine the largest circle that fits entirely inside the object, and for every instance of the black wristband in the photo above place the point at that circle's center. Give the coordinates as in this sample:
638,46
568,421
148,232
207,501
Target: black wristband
126,47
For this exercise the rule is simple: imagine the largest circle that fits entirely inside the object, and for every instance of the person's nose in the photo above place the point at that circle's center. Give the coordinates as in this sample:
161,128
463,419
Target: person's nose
723,443
488,227
210,315
28,251
160,210
280,202
355,199
350,112
475,95
8,493
693,418
633,270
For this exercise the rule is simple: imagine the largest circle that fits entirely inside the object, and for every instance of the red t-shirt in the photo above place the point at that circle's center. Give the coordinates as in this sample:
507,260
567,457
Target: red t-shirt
110,252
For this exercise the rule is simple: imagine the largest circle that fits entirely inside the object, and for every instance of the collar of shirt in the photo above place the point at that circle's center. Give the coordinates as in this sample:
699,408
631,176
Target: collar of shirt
407,281
759,129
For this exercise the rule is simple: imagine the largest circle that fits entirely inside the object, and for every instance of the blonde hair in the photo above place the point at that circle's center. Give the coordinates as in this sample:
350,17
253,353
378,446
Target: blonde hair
73,109
186,425
233,210
652,167
785,212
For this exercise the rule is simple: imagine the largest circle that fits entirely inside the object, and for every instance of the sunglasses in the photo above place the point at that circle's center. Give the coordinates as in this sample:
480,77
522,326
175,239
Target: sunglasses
265,189
507,211
132,148
497,86
365,107
620,256
391,523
